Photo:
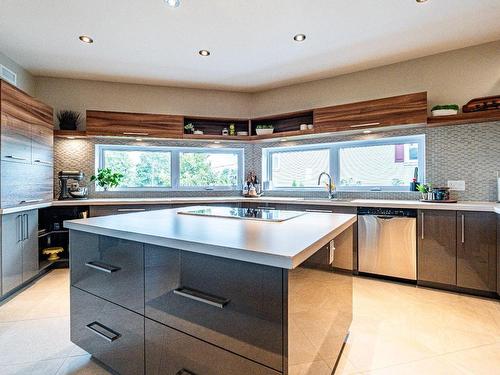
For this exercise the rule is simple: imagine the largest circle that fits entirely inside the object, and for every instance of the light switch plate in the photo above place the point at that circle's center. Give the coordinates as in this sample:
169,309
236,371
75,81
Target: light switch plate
458,185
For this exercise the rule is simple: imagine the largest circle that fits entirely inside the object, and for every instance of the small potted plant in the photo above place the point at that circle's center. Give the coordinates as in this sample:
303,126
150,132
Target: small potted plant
444,110
426,191
264,129
68,120
106,178
189,128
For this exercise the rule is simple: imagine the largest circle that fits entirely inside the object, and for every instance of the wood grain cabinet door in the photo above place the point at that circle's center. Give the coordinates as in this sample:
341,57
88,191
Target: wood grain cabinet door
134,124
42,142
437,251
397,110
476,250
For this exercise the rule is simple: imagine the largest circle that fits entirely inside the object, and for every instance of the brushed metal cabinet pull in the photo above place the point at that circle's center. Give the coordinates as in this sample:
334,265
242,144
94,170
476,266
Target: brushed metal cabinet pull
26,226
196,295
463,229
423,226
131,209
31,201
266,208
102,331
102,267
43,162
19,228
183,371
325,211
13,157
135,133
367,124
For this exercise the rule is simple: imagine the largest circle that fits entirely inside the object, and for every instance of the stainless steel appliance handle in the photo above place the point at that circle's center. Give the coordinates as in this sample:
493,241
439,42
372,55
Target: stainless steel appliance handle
102,331
131,209
423,226
385,217
463,229
102,267
326,211
14,157
196,295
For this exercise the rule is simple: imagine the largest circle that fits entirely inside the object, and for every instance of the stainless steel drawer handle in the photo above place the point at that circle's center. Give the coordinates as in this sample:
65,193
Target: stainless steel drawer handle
102,331
13,157
367,124
131,209
266,208
463,229
102,267
183,371
196,295
325,211
135,133
31,200
43,161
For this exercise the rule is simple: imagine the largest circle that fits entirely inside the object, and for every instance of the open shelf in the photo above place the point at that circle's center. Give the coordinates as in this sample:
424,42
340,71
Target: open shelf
44,264
213,126
464,118
211,137
70,134
291,133
283,123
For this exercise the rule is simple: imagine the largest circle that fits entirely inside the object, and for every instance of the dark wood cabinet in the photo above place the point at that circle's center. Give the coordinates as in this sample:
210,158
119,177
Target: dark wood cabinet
110,268
437,253
397,110
170,352
234,305
113,335
476,250
142,125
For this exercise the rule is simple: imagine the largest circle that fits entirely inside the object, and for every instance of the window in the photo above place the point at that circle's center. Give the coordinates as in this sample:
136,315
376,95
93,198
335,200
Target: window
386,164
173,168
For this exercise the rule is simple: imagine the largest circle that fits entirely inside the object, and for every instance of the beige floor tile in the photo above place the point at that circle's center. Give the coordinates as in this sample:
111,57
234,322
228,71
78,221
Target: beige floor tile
483,360
49,367
313,368
431,366
81,365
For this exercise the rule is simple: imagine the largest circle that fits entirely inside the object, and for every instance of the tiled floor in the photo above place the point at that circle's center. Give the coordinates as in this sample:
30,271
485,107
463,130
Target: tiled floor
397,329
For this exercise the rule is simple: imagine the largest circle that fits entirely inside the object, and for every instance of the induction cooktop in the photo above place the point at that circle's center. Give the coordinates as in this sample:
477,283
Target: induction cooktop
243,213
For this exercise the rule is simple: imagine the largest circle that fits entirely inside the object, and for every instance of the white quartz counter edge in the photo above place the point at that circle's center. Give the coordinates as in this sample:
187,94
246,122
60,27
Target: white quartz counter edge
462,205
266,255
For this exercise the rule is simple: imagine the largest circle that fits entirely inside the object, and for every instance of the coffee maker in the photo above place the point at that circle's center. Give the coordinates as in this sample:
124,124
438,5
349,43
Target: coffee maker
73,191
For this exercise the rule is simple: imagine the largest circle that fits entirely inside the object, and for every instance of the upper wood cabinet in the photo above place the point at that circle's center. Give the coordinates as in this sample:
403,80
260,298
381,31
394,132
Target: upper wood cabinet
396,110
26,127
101,123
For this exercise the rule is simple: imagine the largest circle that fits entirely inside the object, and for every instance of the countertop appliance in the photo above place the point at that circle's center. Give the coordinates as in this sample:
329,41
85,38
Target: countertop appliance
244,213
65,193
387,242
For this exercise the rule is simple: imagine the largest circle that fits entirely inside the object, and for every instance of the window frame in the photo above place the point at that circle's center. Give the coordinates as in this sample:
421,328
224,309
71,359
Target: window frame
334,161
174,165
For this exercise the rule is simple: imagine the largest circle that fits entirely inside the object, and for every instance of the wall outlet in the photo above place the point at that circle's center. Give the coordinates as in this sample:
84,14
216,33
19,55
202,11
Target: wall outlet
458,185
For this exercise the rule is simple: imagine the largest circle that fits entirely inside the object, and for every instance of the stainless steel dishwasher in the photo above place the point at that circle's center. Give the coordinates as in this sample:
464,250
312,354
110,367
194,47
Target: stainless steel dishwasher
387,242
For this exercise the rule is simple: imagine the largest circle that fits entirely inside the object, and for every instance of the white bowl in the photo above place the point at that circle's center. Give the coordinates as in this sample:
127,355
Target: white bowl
199,132
264,131
444,112
241,133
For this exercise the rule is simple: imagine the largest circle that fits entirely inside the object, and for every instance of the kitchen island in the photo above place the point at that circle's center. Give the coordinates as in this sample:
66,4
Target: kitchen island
169,292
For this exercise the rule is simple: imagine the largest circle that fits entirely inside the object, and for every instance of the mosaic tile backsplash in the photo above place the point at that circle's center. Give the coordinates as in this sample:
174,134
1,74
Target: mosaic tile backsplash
466,152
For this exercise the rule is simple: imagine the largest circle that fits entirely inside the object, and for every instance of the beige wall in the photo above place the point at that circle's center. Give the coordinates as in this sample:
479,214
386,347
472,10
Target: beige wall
450,77
80,95
25,80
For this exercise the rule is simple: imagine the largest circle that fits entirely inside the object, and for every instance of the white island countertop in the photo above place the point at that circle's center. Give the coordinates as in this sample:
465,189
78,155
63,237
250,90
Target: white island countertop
279,244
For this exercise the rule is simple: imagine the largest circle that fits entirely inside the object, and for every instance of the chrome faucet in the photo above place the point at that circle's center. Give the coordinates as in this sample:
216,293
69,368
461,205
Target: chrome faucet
330,192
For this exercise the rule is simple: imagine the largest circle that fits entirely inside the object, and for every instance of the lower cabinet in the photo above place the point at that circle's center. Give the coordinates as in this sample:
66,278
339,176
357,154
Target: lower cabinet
458,248
476,250
19,248
113,334
169,351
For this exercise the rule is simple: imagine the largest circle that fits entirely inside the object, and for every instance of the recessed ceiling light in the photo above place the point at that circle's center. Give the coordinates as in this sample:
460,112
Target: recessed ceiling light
173,3
421,1
86,39
204,52
299,37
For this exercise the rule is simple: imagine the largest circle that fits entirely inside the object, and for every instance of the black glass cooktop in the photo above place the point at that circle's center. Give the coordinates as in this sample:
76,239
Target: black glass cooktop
243,213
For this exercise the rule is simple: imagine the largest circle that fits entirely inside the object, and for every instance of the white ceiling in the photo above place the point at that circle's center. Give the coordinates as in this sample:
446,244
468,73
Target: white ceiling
145,41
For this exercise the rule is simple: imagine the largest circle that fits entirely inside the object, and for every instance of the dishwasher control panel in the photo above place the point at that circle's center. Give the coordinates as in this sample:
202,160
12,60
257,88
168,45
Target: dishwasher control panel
380,211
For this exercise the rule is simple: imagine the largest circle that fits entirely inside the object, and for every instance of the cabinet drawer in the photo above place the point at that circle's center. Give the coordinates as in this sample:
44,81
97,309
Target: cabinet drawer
232,304
108,267
96,211
112,334
170,352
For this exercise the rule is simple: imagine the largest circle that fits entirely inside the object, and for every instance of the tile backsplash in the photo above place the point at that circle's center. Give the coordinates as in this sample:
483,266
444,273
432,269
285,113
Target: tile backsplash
465,152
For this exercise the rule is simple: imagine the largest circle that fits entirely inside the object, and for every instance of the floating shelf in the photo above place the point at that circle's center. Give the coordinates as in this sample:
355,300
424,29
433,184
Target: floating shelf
284,134
211,137
70,134
464,118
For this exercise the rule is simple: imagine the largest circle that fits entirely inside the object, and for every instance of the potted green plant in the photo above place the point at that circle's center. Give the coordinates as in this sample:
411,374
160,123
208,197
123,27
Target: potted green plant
68,120
264,129
426,191
444,110
189,128
106,178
